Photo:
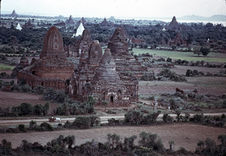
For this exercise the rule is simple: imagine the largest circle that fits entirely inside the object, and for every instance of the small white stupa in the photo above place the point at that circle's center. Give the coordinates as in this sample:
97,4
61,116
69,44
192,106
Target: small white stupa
18,27
79,31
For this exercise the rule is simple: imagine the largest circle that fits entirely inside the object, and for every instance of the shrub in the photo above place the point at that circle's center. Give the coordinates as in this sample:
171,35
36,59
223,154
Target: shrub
22,128
82,122
224,104
113,140
129,143
46,127
204,51
151,141
167,118
150,118
134,117
32,125
167,73
5,148
39,90
23,109
198,118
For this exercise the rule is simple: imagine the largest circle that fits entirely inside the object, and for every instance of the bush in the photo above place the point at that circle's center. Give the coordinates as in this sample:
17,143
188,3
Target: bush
82,122
167,73
204,51
167,118
39,90
46,127
40,109
134,117
151,118
198,118
22,110
151,141
32,125
22,128
57,96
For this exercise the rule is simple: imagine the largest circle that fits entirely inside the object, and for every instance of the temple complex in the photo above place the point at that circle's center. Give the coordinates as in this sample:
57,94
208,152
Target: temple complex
110,78
52,69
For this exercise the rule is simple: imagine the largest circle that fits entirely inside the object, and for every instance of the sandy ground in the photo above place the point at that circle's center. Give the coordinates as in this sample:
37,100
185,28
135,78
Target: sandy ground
10,99
181,70
184,135
204,85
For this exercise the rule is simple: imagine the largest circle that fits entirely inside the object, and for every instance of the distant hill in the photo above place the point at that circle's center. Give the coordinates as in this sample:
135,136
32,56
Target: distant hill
201,18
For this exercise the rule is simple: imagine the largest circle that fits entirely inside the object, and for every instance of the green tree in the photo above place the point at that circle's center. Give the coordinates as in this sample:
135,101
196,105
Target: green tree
204,51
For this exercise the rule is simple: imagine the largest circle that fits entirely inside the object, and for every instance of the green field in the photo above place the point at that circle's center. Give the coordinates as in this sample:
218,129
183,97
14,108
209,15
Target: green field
189,56
6,67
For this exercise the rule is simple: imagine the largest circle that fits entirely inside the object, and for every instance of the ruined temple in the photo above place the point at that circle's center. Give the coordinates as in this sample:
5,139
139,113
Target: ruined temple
126,64
177,41
52,69
82,46
106,85
24,62
111,78
86,69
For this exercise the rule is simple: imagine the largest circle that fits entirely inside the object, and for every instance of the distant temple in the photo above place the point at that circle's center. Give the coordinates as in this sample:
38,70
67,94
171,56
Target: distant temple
14,14
174,25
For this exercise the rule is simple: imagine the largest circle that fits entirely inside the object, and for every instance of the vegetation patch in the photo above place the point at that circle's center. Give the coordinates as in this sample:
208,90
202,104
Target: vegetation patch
6,67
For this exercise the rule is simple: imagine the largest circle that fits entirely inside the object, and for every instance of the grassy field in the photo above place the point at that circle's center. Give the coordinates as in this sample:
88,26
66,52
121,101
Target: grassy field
189,56
5,67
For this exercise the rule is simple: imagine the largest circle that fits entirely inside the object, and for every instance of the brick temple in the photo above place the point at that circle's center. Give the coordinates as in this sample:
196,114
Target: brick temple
52,69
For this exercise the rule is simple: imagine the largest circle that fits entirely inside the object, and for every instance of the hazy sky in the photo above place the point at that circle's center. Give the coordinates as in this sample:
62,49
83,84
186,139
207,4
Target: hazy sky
117,8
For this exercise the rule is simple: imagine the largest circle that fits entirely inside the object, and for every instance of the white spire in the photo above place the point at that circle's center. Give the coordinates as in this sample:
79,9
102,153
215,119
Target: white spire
18,27
80,30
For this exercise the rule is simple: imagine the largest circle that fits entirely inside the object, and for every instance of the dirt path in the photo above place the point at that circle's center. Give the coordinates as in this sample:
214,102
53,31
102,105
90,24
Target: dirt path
184,135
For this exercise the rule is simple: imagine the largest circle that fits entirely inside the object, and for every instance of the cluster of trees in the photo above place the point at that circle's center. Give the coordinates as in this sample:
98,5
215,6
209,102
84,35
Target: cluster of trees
153,36
218,121
148,144
33,126
25,109
136,117
167,74
29,38
83,122
210,148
